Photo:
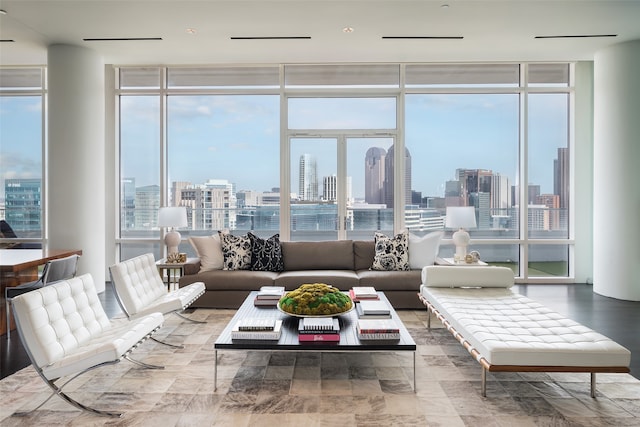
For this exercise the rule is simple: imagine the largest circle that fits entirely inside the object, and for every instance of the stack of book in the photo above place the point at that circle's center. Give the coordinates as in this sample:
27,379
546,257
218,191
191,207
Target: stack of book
360,293
373,309
378,329
269,295
319,329
257,329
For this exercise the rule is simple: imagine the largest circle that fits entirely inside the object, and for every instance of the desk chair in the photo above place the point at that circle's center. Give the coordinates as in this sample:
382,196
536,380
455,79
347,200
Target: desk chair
53,271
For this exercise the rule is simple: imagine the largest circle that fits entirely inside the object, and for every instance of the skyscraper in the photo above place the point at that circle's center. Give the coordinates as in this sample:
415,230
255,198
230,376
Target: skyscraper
308,178
374,162
389,179
561,177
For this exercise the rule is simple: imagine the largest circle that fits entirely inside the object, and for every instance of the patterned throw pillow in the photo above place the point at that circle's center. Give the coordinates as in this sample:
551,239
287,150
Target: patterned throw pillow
236,251
391,253
266,254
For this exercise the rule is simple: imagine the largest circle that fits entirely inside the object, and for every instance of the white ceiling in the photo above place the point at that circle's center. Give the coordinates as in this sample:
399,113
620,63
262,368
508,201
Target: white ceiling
491,30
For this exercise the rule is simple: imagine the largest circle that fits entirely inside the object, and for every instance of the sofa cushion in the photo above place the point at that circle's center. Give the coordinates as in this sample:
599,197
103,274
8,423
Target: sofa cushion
424,250
266,254
237,280
391,253
391,280
209,250
236,251
341,279
363,253
325,255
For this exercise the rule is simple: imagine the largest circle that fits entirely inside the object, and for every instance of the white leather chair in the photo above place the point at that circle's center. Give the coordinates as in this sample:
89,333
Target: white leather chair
53,271
140,290
66,332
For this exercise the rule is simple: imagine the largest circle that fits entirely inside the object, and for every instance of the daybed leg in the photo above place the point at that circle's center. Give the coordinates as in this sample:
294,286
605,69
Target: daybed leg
186,318
593,384
144,365
166,343
428,318
484,382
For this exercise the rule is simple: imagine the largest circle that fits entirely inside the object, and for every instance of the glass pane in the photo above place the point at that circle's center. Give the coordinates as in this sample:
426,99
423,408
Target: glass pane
334,75
21,164
139,165
499,255
368,184
464,152
139,78
314,209
131,250
549,172
228,77
548,261
342,113
462,75
21,78
224,161
554,75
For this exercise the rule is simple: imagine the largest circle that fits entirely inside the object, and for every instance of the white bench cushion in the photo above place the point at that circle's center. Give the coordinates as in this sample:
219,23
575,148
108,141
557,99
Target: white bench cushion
467,276
510,329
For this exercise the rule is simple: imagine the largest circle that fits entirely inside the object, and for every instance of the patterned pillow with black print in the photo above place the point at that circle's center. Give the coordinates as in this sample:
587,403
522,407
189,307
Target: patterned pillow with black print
236,251
391,253
266,254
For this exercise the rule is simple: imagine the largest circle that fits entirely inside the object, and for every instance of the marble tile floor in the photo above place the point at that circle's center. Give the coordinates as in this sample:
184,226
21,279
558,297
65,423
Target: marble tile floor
262,388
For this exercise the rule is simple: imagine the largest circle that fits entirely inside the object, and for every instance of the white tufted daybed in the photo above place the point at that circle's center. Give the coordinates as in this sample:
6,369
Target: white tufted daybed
66,333
508,332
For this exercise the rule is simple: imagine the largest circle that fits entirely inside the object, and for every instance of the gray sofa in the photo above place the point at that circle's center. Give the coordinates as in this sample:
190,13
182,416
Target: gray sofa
341,263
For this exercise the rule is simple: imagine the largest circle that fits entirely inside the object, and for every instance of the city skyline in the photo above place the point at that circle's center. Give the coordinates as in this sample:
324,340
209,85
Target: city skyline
203,130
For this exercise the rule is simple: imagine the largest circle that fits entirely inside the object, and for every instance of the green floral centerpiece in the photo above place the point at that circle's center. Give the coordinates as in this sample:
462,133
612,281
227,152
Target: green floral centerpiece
315,299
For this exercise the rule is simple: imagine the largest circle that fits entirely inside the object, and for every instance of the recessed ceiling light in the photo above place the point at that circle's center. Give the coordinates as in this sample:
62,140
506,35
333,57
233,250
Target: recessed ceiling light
191,30
3,12
348,30
444,6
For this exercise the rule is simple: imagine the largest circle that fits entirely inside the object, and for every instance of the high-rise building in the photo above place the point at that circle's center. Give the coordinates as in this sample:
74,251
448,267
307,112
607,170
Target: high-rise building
128,202
389,177
308,178
23,205
213,205
147,204
551,201
374,162
330,189
561,177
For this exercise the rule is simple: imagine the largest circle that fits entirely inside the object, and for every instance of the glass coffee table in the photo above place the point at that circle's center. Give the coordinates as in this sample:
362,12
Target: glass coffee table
288,341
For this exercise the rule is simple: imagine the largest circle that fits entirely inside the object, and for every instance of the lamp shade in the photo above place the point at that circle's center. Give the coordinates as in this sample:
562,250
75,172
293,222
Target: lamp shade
172,217
460,217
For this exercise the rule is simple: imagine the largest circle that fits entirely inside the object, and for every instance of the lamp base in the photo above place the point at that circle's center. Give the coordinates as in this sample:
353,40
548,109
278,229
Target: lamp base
461,239
172,240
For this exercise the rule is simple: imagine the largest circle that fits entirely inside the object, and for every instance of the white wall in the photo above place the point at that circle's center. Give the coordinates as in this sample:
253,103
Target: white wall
76,151
616,201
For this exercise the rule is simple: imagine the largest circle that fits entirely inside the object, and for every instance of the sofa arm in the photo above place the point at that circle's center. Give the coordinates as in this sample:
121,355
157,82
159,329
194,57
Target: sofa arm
192,266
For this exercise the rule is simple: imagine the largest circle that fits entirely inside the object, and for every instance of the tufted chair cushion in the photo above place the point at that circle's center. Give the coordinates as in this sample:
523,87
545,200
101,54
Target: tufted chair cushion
138,283
65,329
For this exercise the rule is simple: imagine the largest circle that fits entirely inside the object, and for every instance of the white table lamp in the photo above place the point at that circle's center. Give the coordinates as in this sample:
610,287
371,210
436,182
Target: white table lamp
173,217
460,217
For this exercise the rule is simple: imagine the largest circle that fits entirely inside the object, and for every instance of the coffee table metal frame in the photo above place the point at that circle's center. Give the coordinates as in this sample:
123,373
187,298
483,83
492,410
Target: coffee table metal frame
288,341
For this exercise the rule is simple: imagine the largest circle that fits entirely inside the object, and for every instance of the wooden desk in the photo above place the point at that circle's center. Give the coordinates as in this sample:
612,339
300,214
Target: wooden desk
21,266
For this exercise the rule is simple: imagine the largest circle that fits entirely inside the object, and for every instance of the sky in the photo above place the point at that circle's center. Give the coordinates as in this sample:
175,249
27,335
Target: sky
237,137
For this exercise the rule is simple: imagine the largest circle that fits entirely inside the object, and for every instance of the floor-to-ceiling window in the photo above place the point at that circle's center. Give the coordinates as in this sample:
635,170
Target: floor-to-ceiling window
236,145
22,119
